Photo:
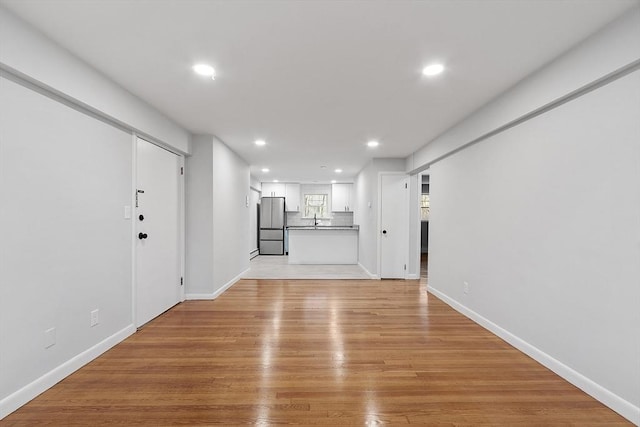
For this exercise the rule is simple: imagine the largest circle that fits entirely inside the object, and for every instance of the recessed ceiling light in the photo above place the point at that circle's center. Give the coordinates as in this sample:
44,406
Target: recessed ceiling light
432,70
333,181
260,142
373,143
338,171
275,180
205,70
265,169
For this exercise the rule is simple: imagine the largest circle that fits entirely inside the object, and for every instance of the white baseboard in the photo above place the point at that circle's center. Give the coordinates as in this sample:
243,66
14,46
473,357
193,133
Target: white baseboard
372,276
412,277
217,293
51,378
613,401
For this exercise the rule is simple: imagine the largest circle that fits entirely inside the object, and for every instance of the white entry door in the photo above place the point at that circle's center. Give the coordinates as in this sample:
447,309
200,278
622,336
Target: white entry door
394,225
157,231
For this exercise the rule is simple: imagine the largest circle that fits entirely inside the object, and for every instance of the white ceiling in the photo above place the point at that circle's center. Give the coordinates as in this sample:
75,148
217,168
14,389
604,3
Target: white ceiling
317,79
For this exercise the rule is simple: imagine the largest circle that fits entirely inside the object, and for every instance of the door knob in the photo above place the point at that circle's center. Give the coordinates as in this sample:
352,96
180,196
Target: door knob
142,236
384,231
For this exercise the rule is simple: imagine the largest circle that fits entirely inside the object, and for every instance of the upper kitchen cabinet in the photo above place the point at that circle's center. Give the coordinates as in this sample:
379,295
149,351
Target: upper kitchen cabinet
292,194
341,195
273,189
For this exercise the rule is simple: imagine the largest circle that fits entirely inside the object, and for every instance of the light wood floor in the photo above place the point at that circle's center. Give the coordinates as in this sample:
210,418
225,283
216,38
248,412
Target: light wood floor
351,352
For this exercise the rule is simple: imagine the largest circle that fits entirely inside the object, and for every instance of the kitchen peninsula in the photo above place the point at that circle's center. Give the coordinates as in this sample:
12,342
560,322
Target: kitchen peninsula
323,244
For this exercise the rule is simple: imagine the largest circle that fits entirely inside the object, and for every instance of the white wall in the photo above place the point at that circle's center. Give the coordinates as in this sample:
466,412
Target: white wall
27,52
66,248
199,215
66,174
218,182
230,216
254,201
366,217
366,213
254,183
542,219
611,48
543,222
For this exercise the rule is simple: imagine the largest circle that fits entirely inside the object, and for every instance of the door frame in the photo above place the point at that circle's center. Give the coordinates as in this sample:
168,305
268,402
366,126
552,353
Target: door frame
254,252
379,223
181,218
416,204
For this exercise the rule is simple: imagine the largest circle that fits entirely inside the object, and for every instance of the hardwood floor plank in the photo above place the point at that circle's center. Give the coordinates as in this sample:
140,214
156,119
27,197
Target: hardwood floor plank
314,352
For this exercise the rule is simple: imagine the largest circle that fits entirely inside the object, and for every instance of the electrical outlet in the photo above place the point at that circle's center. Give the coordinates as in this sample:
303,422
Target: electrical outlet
94,318
49,337
465,287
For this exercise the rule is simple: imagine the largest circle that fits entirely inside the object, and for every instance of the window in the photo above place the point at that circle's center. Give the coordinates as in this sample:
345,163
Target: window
424,207
316,204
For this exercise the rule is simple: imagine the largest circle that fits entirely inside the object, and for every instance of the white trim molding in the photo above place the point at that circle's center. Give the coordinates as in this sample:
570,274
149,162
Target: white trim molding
218,292
371,275
51,378
595,390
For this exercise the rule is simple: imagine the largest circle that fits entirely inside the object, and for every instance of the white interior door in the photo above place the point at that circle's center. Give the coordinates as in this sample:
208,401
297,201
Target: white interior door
157,231
394,226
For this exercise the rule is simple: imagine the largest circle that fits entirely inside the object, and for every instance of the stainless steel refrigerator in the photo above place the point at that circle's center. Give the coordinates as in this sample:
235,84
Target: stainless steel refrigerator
272,222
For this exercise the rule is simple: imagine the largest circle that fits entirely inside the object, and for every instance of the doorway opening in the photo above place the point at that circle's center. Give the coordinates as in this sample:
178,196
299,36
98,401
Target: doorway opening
424,226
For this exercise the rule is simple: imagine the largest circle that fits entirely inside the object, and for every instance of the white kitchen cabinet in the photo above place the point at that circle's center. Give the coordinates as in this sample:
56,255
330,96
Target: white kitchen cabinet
273,189
292,194
341,195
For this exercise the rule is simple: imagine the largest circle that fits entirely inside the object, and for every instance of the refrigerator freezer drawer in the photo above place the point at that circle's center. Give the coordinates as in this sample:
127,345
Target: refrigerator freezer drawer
271,234
271,247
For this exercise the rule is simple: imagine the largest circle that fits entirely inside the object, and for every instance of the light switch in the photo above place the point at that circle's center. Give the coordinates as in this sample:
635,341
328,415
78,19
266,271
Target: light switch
246,200
127,212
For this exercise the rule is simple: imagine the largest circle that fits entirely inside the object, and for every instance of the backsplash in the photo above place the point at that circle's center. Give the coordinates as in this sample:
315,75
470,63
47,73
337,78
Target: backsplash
339,219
